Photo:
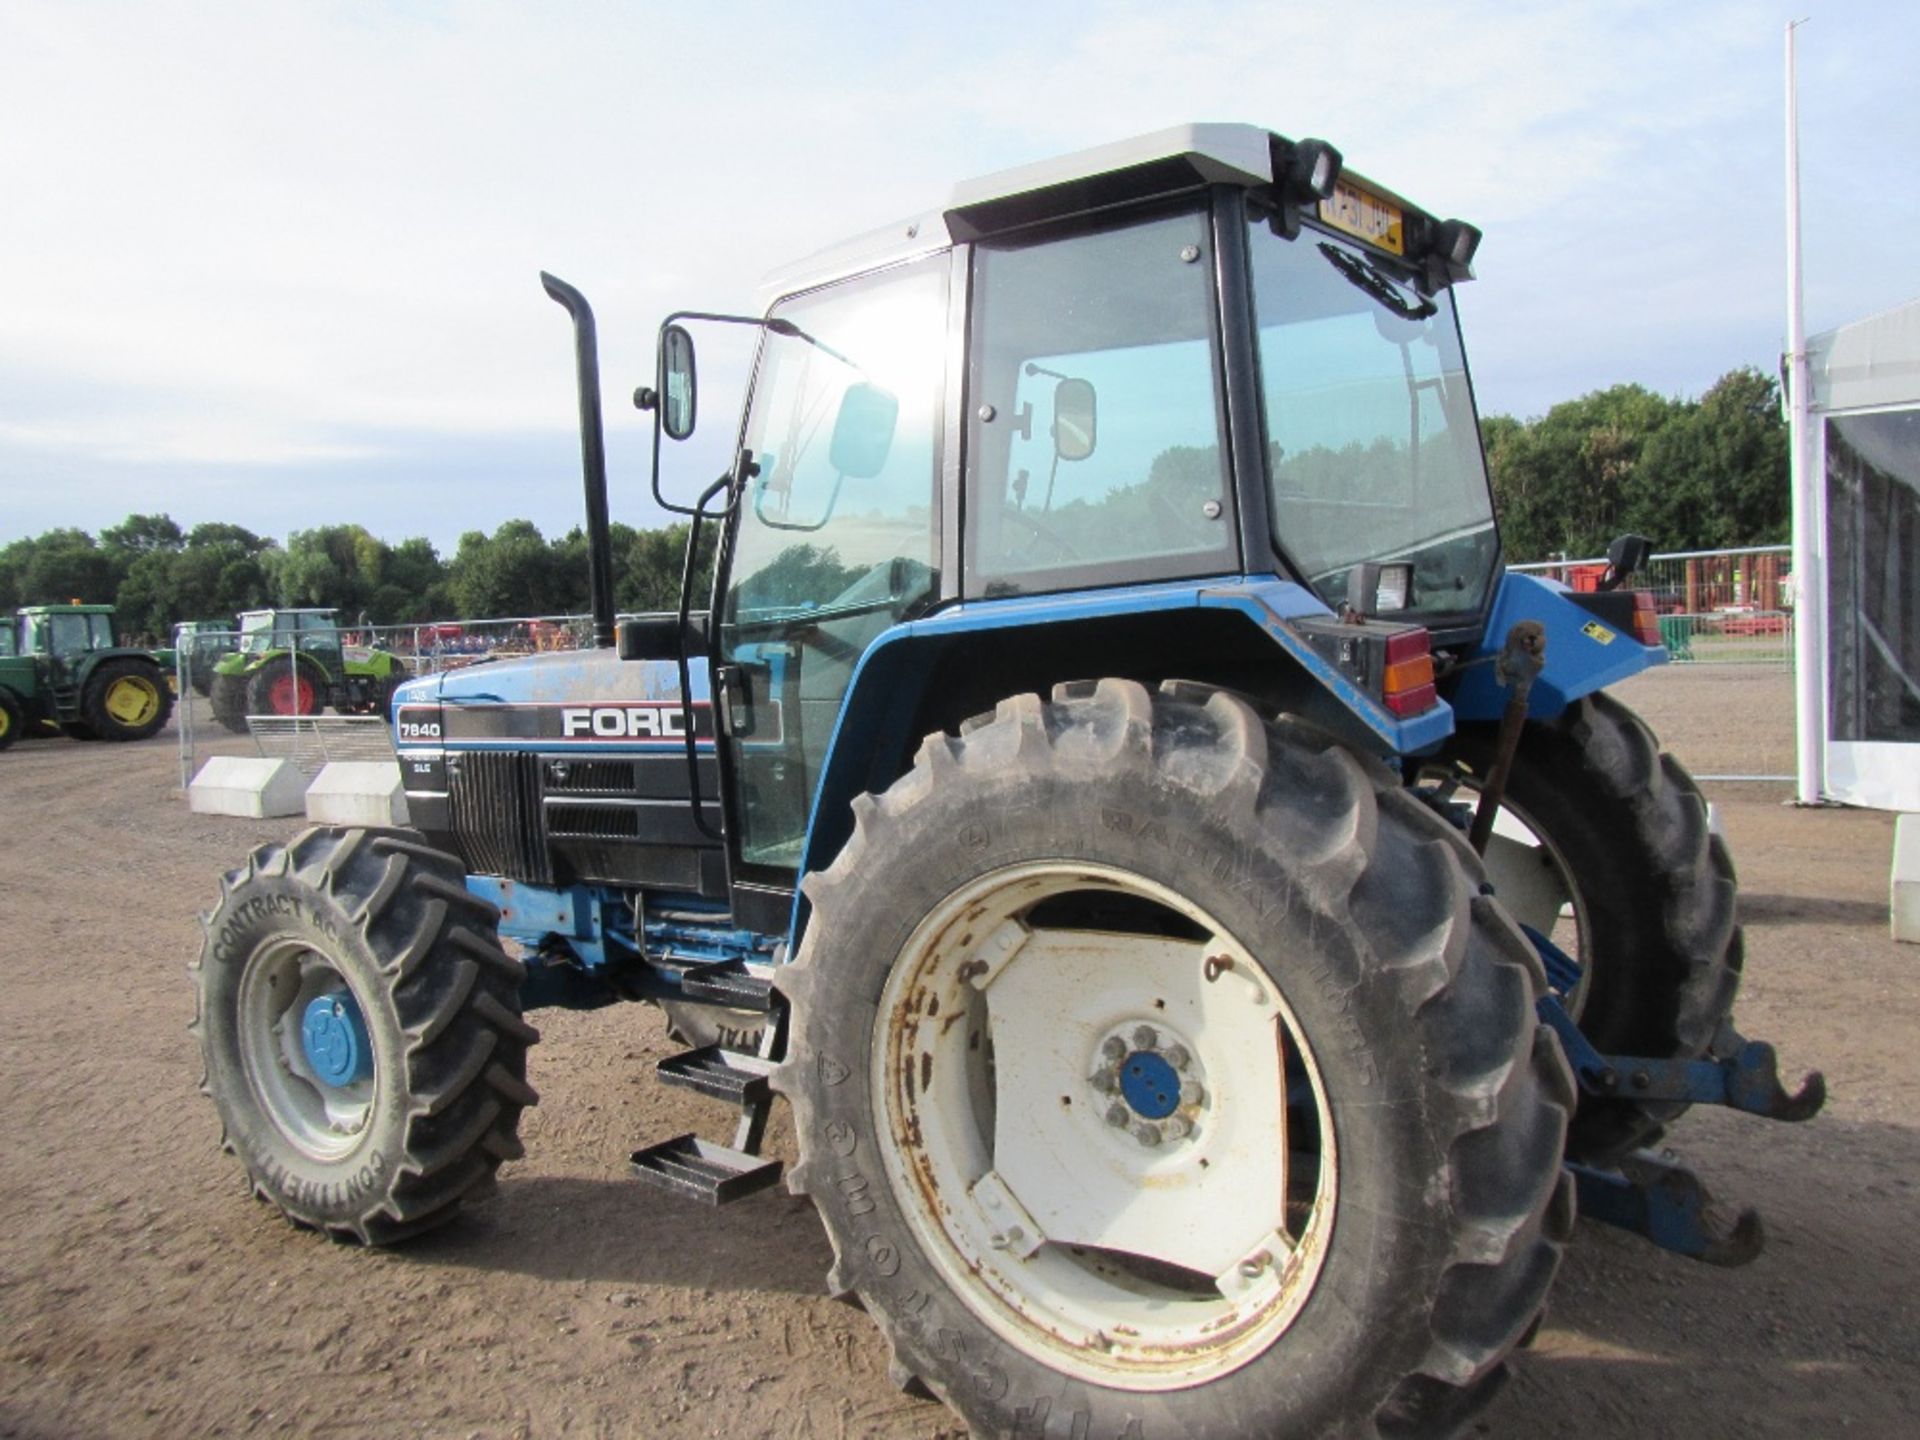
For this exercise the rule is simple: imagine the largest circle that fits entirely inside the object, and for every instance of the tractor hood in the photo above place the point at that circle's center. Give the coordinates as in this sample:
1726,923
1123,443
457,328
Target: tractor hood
569,698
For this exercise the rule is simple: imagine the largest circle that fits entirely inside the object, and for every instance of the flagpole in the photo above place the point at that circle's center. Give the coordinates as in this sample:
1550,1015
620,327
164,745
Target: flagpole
1809,601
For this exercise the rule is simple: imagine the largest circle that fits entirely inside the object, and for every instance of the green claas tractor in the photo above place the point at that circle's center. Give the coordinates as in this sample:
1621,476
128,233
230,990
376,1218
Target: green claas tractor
293,662
63,665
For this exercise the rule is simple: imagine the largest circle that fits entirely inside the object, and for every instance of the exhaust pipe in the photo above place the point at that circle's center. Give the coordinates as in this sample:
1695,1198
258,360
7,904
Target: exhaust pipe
593,457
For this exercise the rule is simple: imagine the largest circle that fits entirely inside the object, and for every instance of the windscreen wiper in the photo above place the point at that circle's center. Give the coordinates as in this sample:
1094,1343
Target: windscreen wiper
1363,274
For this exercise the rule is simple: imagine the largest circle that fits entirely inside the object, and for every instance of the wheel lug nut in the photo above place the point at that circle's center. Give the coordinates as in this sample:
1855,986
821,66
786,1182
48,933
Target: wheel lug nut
1148,1135
1191,1093
1178,1127
1105,1081
1117,1115
1145,1039
1177,1056
1114,1048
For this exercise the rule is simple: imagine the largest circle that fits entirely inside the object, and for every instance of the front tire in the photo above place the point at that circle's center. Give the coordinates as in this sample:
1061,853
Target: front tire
1331,1202
361,1031
282,688
12,719
1617,830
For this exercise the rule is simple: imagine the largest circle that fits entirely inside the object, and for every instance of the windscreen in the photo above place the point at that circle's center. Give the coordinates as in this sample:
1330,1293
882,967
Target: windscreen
1373,449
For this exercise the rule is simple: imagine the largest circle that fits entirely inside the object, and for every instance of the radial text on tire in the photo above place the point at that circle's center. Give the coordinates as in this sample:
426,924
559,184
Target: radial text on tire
1598,818
1161,1072
361,1031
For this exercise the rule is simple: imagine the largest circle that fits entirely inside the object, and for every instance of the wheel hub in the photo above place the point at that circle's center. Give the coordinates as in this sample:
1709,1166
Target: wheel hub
333,1036
1147,1081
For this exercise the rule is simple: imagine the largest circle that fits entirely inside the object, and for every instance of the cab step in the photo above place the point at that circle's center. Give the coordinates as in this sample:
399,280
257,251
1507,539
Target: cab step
727,982
696,1169
730,1075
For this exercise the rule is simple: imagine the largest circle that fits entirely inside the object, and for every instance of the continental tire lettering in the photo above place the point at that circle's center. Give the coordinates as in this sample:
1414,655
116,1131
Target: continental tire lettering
832,1072
841,1138
881,1254
1031,1420
855,1188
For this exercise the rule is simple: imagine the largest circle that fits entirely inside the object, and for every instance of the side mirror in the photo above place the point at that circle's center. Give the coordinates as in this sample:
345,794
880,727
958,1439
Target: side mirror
1625,556
863,432
681,391
1075,425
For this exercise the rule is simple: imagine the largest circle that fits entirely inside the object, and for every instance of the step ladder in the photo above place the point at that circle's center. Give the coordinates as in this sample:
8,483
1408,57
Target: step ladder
695,1169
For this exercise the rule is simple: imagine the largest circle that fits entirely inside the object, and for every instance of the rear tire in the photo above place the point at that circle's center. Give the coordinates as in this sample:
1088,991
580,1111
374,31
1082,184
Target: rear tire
1130,850
127,700
383,926
1652,889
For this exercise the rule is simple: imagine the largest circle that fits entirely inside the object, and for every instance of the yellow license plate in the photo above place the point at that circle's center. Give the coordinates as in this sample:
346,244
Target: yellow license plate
1365,215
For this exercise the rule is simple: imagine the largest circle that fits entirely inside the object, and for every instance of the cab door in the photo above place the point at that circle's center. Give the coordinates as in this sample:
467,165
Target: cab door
835,537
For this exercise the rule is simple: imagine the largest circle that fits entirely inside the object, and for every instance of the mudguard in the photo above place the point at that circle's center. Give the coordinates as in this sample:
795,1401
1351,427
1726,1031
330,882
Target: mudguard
1584,653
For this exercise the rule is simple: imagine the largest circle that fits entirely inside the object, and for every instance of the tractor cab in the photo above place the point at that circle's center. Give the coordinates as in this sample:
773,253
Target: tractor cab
315,632
64,635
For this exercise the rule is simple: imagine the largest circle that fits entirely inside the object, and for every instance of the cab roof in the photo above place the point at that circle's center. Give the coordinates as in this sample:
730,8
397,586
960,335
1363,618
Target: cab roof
1165,162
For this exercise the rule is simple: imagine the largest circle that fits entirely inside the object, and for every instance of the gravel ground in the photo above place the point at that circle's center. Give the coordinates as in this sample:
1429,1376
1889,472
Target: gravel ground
143,1293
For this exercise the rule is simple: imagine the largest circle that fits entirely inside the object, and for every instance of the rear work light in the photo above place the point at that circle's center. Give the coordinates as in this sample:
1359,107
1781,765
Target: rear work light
1646,620
1406,681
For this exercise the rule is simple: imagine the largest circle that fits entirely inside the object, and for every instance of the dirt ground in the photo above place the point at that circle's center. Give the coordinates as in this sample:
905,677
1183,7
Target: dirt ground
143,1293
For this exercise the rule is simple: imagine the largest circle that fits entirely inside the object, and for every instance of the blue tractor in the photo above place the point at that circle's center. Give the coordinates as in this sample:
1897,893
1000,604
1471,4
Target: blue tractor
1207,917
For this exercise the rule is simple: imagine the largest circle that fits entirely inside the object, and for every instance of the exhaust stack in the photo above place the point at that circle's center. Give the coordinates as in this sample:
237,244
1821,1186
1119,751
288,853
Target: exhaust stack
593,456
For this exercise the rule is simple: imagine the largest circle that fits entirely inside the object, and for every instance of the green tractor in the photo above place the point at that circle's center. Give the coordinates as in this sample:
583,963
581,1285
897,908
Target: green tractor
199,645
63,666
294,662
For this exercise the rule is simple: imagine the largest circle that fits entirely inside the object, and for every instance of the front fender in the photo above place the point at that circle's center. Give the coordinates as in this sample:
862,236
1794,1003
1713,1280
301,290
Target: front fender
1584,653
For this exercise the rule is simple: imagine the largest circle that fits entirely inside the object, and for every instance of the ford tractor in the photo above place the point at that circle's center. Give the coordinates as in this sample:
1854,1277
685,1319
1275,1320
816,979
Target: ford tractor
1208,918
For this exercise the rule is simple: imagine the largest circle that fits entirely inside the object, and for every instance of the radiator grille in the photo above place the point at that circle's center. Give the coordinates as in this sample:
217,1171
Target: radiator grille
495,799
570,776
594,822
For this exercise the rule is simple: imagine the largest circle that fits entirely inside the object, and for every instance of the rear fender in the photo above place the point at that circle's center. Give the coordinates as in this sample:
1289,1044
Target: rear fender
1584,653
889,701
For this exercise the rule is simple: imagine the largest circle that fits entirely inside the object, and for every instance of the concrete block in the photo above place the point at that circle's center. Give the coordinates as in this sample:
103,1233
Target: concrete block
357,792
1906,879
251,787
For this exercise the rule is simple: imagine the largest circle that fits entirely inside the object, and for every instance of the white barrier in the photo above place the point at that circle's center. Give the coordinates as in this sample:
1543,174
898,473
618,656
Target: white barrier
357,792
1906,879
247,786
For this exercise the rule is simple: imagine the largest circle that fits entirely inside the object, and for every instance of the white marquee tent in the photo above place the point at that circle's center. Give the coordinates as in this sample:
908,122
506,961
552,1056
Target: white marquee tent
1864,445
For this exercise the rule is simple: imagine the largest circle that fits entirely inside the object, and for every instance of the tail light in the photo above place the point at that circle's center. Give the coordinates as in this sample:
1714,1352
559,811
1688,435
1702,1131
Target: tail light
1646,620
1407,679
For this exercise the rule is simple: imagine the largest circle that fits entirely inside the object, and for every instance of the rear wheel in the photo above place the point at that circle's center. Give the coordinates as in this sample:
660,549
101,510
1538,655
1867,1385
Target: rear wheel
1161,1071
1602,846
126,700
361,1031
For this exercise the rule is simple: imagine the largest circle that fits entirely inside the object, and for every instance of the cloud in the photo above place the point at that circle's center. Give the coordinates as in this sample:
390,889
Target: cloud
251,236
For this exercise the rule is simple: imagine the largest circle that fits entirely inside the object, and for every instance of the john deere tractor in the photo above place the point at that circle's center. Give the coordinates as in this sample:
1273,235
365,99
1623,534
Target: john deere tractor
63,666
1207,916
293,662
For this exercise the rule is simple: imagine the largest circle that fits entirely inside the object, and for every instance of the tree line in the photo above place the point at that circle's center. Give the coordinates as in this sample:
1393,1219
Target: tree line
1689,474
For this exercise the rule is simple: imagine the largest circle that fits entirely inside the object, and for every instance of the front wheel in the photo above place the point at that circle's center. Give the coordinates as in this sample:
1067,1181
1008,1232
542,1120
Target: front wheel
1162,1071
1602,845
361,1031
286,686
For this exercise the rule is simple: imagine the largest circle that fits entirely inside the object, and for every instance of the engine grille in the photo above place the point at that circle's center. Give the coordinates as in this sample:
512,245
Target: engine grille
495,799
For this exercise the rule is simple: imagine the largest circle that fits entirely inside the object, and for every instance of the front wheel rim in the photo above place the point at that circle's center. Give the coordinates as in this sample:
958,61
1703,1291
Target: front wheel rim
283,980
1112,1139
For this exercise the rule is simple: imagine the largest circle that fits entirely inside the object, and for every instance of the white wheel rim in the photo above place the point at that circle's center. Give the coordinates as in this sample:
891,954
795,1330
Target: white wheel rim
322,1121
1144,1262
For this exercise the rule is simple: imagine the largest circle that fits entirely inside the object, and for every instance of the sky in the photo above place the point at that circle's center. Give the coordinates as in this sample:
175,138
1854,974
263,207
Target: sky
276,263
